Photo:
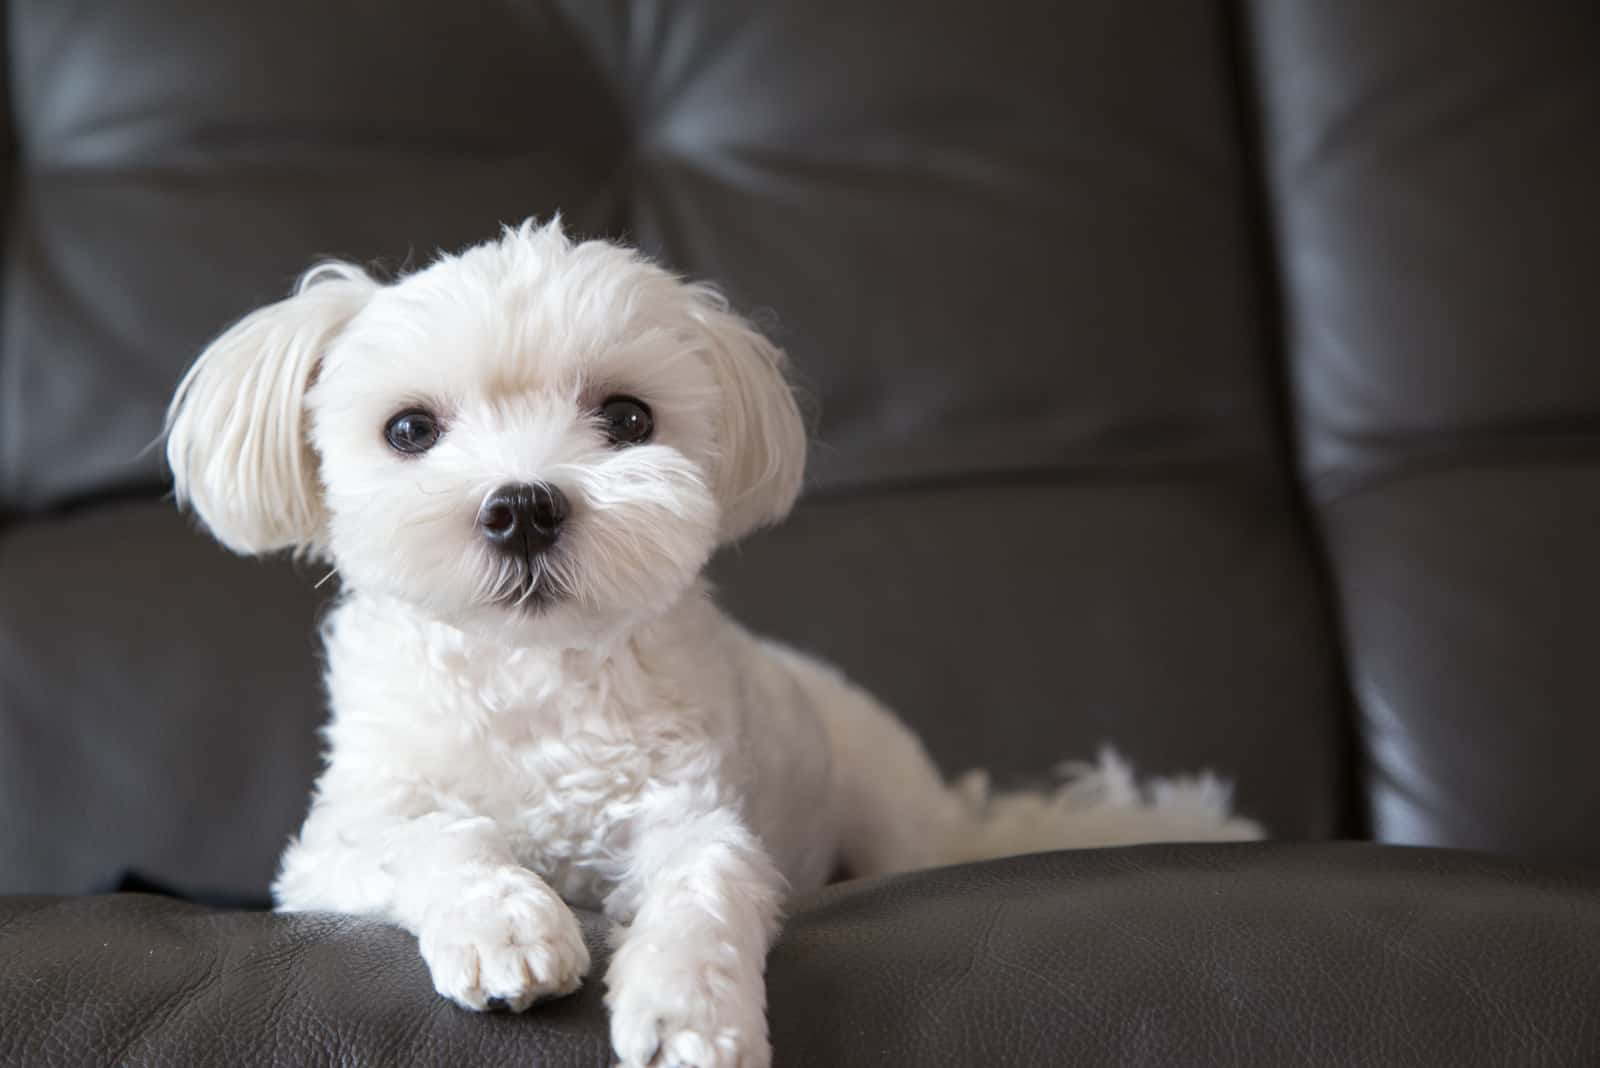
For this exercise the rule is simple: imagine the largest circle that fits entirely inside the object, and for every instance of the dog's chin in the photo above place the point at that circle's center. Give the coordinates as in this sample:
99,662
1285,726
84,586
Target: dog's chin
540,613
537,619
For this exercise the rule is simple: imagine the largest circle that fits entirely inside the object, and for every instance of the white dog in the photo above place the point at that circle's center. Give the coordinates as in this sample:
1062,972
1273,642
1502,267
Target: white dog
519,460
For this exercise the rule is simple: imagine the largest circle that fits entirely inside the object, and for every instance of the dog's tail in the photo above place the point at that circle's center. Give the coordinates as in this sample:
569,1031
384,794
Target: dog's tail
895,812
1095,804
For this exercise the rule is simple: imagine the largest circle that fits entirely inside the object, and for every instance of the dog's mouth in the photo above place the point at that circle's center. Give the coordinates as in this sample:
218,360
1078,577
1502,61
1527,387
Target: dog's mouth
532,589
528,594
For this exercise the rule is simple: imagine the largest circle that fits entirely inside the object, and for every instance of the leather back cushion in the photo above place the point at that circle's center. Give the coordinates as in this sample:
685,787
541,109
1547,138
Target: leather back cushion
1436,181
1023,265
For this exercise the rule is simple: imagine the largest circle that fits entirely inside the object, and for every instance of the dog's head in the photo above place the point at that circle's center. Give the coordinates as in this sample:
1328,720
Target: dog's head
536,430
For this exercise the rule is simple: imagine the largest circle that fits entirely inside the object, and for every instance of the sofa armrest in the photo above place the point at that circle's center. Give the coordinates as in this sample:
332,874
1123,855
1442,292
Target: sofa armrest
1268,953
139,979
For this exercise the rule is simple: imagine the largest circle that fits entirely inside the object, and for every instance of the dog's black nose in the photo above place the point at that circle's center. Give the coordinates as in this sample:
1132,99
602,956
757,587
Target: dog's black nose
522,517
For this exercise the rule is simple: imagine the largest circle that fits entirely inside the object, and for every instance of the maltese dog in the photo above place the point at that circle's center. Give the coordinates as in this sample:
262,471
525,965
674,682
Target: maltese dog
518,460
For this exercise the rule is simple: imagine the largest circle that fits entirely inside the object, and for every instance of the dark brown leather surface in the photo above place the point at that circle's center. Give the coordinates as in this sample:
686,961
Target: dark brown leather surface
1052,502
1270,955
182,161
1434,170
172,703
136,979
1217,379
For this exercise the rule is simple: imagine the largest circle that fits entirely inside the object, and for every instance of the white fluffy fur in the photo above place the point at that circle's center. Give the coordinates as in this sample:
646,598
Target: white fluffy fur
621,745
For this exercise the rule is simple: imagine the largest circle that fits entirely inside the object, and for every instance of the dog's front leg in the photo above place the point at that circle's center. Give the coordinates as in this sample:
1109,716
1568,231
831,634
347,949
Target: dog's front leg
491,931
687,985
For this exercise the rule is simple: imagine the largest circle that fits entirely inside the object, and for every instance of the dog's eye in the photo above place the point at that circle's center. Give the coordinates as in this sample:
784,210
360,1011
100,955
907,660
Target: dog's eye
412,431
627,420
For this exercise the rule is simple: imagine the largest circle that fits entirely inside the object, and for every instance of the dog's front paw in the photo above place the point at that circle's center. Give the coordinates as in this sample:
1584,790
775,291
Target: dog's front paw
509,939
673,1008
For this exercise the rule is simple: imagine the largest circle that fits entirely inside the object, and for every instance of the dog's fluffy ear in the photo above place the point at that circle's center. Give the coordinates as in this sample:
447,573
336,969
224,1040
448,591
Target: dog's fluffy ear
761,439
236,428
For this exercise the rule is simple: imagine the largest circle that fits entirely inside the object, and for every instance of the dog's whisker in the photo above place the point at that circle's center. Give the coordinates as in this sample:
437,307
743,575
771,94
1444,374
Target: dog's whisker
530,584
429,518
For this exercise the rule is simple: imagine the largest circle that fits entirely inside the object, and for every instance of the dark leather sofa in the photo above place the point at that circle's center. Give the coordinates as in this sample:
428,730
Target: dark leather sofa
1217,378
